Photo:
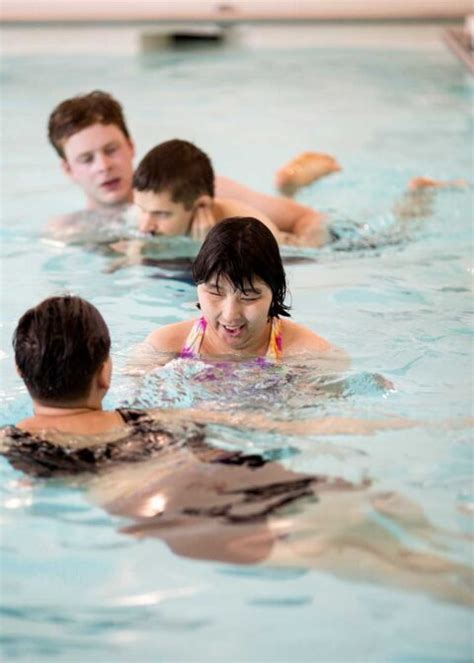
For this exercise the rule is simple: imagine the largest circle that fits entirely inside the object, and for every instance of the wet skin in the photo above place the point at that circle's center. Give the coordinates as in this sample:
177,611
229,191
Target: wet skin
236,320
99,159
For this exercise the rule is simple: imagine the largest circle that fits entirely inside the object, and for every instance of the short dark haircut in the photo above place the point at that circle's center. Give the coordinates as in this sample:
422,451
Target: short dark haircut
179,167
59,346
242,248
73,115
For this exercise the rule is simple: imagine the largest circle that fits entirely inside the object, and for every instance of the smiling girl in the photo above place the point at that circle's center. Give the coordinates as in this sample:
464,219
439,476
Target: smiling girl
241,287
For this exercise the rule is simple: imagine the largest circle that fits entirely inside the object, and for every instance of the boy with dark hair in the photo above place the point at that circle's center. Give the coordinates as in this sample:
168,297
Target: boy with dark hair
173,190
203,501
90,135
60,345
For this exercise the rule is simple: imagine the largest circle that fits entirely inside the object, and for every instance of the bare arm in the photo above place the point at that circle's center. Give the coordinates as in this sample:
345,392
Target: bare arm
319,426
228,207
287,215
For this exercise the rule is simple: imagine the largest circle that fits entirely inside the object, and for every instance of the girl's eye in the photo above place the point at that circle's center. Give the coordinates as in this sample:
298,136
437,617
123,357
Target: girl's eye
249,295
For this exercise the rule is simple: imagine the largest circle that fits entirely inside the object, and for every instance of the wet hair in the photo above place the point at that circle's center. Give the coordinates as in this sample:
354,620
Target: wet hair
77,113
241,249
59,346
178,167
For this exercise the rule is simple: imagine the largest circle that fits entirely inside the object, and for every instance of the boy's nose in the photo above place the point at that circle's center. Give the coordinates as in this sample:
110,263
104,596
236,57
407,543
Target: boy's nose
102,161
147,224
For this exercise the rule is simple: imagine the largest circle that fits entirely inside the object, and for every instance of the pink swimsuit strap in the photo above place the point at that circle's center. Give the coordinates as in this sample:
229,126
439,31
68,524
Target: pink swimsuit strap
193,341
192,345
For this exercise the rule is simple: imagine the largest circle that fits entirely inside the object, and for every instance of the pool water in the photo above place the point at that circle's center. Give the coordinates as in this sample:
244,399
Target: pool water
397,295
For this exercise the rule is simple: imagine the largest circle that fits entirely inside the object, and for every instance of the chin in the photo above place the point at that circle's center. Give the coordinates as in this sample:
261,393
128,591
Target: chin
115,201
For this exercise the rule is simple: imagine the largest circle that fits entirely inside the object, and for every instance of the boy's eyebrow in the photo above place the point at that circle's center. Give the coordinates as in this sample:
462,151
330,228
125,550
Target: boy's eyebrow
111,143
152,211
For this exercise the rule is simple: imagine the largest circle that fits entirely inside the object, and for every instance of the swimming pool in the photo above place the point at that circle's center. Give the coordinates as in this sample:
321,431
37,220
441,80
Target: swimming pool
73,586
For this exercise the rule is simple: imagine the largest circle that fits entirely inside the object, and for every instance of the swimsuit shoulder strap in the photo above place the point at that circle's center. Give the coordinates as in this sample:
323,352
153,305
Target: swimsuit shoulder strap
193,342
275,346
130,416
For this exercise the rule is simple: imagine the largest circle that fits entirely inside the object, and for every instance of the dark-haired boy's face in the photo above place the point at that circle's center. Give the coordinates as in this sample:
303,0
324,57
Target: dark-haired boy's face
99,159
160,215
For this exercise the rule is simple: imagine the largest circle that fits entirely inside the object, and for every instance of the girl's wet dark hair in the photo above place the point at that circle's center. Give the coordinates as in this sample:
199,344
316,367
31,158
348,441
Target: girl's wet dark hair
59,346
242,248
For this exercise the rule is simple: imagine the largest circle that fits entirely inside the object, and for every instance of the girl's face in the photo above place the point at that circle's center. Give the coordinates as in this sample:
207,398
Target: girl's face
240,319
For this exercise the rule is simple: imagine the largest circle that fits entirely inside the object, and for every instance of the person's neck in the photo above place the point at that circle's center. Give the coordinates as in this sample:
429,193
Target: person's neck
66,410
94,206
254,348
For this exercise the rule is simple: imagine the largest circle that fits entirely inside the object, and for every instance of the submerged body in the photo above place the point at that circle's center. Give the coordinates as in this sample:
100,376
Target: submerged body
211,504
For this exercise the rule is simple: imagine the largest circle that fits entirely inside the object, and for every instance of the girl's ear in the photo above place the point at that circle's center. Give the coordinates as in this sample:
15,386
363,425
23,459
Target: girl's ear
18,371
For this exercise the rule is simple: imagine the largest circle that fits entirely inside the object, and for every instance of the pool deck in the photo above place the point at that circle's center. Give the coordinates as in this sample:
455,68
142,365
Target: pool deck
125,39
227,12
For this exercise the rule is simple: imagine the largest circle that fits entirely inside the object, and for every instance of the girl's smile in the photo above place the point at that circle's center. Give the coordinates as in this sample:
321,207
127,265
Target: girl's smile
237,319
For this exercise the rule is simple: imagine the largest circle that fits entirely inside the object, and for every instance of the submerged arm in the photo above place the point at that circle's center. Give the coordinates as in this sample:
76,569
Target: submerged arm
321,425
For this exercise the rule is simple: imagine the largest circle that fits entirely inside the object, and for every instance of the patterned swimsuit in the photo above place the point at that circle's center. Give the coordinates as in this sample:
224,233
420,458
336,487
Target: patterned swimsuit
192,345
243,488
143,437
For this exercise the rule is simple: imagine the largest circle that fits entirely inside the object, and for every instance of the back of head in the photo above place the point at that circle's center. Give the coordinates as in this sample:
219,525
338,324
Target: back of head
73,115
241,249
177,167
59,346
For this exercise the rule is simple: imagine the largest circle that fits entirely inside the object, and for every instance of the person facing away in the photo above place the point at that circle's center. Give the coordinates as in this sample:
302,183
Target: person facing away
241,288
62,354
204,502
173,190
91,137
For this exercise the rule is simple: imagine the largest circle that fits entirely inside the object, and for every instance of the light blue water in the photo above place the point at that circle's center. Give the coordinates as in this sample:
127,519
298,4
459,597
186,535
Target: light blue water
74,587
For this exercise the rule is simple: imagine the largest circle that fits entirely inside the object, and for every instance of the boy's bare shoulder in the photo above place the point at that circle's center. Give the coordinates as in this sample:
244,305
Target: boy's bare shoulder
228,207
170,338
225,207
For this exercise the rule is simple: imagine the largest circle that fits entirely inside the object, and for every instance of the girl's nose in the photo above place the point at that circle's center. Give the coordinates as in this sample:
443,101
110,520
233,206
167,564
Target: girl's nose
231,309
